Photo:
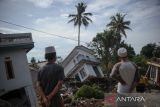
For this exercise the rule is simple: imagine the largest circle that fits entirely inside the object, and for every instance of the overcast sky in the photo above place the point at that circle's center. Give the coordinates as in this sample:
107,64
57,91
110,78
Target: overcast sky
51,16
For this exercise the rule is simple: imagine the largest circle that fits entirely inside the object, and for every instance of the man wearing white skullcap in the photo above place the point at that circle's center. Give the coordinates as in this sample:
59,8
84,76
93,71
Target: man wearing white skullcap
50,79
122,52
124,71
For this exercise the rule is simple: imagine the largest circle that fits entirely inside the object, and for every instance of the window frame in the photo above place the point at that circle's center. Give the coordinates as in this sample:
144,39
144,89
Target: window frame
9,68
83,73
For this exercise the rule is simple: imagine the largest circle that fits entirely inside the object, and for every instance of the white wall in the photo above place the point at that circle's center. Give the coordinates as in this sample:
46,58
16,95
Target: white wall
91,70
87,54
71,64
78,71
68,67
156,78
101,72
20,69
31,95
88,68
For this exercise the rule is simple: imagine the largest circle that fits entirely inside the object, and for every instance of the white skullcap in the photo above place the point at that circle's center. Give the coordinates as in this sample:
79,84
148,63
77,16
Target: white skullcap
50,49
122,52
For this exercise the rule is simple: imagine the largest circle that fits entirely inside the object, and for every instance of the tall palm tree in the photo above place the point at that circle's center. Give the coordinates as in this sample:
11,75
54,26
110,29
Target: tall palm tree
80,18
119,25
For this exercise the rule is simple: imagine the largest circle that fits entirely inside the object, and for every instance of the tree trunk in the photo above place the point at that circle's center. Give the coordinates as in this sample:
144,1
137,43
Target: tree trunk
79,35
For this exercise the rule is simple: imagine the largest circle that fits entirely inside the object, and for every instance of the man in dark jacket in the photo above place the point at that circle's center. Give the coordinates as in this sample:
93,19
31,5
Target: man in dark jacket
50,79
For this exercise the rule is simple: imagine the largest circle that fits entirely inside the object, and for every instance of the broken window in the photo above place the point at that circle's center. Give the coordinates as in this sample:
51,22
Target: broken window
77,77
9,68
153,72
83,73
96,71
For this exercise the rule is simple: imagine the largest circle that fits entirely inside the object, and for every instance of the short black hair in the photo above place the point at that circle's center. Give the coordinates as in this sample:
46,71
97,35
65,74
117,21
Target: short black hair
50,56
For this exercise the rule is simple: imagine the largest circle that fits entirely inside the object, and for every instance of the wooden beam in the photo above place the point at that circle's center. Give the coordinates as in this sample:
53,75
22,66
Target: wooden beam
154,64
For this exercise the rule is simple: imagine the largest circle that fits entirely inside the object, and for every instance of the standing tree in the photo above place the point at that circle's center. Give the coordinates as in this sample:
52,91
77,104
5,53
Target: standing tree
119,25
103,44
80,18
149,50
156,52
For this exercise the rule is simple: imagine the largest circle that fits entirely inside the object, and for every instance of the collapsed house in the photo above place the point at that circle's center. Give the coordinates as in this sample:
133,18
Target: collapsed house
15,80
154,71
82,64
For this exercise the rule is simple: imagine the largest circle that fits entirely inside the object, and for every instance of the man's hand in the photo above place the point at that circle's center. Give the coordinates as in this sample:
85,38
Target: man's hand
49,97
46,101
122,82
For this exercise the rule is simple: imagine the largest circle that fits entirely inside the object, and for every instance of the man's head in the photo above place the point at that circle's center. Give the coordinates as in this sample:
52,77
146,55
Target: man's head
122,52
50,53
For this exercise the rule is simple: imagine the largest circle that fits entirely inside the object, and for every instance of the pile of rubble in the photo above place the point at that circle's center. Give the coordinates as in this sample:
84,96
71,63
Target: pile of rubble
83,102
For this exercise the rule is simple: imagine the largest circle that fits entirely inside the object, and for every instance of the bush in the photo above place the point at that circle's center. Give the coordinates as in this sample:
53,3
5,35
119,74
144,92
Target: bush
89,92
141,61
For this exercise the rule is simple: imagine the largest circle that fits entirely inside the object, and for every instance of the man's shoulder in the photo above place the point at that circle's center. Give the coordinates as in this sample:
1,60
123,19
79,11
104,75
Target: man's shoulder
58,66
53,66
134,63
117,64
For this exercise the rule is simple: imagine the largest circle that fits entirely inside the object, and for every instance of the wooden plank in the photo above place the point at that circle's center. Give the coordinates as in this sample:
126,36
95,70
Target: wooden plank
154,64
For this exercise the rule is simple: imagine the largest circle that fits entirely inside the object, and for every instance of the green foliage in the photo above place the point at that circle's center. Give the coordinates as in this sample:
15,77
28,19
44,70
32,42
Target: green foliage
89,92
119,25
151,50
80,18
147,50
156,52
141,61
106,43
96,87
103,44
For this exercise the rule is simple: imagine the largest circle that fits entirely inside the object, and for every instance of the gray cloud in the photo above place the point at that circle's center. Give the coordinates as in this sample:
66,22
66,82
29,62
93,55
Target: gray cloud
51,16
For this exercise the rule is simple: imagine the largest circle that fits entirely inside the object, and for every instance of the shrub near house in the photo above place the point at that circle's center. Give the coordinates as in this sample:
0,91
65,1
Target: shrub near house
89,92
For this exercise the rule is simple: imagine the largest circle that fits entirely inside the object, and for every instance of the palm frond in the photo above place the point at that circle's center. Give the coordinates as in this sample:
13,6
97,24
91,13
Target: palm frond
113,18
126,27
72,15
85,22
81,7
126,23
75,22
89,14
87,18
72,20
124,33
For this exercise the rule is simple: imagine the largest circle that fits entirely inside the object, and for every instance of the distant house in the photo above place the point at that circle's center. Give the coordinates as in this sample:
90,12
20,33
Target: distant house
41,64
154,71
82,64
15,80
